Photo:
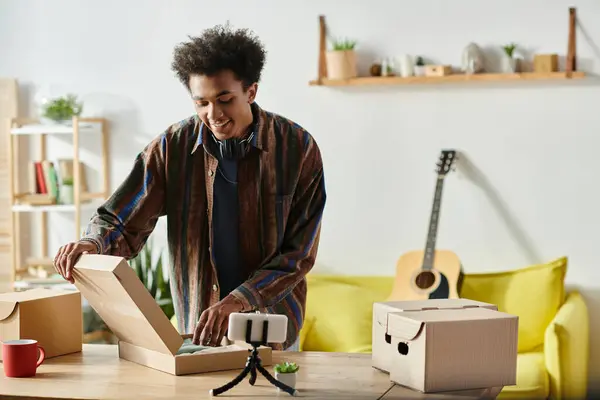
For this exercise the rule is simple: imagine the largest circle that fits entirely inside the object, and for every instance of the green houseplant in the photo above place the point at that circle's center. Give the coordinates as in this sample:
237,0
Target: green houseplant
286,372
65,192
419,66
151,274
341,59
509,62
62,109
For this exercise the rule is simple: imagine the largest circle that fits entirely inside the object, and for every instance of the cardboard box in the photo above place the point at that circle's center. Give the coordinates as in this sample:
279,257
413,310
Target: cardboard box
52,317
545,63
438,70
452,348
145,334
381,355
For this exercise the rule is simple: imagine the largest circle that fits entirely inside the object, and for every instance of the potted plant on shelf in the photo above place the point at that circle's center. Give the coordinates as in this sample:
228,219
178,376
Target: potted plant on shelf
509,62
61,110
65,192
419,66
341,60
286,373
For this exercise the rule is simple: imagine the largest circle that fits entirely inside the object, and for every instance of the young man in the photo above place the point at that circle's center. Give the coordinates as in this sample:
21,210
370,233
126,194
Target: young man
242,189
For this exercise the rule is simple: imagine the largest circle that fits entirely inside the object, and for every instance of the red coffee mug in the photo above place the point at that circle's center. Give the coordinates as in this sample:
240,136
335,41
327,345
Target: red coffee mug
20,357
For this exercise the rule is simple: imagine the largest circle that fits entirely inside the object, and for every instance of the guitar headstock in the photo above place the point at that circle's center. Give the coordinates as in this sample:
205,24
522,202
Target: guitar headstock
446,162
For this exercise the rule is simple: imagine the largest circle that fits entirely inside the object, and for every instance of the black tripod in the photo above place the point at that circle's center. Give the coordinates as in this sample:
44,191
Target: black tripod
252,364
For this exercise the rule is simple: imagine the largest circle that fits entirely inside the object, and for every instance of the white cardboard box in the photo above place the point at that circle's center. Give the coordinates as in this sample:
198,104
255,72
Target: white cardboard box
146,336
441,348
381,340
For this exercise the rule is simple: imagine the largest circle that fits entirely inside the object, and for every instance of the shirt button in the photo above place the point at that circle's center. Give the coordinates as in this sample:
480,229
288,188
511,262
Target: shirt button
210,173
214,288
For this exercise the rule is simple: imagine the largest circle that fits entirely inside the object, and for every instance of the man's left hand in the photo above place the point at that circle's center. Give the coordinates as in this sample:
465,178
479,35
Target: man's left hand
214,321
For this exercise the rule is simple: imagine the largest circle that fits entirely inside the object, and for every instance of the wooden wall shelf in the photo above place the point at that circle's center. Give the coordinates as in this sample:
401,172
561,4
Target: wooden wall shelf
569,73
454,78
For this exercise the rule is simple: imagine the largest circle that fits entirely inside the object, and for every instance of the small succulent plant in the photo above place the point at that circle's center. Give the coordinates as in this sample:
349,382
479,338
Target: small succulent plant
343,44
286,368
509,49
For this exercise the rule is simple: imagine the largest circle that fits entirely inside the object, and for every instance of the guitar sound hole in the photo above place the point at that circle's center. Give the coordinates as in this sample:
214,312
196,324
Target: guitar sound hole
403,348
425,279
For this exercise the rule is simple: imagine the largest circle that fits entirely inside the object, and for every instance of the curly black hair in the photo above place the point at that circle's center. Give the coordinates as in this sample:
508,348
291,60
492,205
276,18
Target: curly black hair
220,48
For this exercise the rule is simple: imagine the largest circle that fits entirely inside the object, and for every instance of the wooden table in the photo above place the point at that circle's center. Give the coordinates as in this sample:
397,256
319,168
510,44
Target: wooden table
98,373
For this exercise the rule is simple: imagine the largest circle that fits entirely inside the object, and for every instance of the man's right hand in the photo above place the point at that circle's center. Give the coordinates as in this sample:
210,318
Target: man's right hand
67,256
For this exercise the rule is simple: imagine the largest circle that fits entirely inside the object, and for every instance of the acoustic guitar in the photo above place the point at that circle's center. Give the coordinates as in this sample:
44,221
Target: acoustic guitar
430,273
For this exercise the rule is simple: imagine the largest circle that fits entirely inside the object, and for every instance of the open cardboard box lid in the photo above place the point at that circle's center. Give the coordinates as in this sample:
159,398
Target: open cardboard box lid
408,325
9,300
422,305
113,289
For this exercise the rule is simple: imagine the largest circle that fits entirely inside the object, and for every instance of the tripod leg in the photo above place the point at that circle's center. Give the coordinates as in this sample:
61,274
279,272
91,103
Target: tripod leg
252,376
228,386
290,390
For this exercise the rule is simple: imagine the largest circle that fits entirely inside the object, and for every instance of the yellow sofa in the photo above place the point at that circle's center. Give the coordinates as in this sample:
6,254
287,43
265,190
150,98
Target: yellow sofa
553,325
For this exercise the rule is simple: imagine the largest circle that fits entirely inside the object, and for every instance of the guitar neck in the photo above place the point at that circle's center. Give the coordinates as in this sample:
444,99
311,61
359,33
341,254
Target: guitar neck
433,224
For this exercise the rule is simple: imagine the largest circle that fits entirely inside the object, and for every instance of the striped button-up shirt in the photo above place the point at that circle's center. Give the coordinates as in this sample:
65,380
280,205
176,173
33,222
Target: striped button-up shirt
281,200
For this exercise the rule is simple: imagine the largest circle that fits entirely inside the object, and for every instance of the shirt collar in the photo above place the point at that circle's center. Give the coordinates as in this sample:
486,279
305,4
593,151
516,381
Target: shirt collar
259,127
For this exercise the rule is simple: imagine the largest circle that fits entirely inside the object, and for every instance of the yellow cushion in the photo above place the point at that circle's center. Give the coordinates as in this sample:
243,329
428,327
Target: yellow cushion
532,379
341,313
534,293
305,331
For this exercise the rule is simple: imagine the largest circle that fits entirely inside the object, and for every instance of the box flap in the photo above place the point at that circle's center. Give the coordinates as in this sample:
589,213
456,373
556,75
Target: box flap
456,314
6,309
381,309
32,294
402,327
9,300
113,289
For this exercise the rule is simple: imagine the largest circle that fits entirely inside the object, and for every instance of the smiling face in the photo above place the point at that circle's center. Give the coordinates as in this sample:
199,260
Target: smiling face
222,103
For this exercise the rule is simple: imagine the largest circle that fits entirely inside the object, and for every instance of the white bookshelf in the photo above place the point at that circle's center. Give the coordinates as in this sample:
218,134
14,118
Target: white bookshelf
41,129
54,207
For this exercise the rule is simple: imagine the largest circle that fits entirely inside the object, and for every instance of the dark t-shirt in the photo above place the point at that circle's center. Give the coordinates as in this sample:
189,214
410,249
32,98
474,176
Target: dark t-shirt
226,248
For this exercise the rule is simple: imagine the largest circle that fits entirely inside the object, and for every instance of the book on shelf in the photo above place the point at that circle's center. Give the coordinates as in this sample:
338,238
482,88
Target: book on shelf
46,178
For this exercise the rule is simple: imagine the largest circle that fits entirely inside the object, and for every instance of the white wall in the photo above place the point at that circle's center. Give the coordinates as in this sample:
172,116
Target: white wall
535,144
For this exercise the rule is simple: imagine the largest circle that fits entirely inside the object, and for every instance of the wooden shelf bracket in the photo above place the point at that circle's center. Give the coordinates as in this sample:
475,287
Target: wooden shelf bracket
322,49
572,46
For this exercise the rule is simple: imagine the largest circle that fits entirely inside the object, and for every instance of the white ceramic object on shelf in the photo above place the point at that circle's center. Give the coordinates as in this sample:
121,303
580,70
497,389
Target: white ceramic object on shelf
509,64
472,59
406,66
66,195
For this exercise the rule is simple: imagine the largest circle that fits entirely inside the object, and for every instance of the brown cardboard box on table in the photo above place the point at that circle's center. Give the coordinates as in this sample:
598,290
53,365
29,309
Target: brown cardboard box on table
145,334
381,341
52,317
451,344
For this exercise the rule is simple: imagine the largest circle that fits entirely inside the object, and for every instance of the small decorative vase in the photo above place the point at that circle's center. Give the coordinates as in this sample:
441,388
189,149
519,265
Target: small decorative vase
341,64
66,194
419,70
288,378
472,59
406,66
509,65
